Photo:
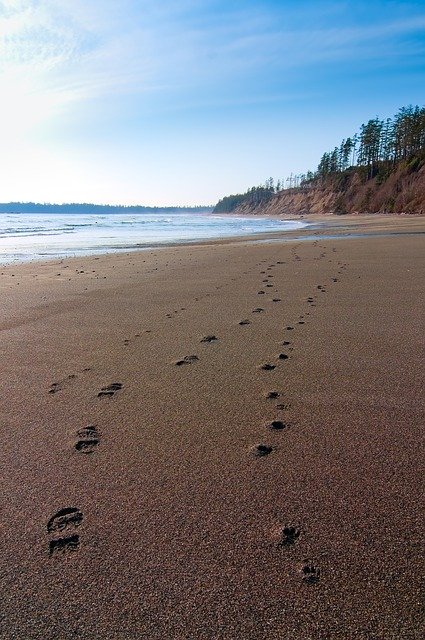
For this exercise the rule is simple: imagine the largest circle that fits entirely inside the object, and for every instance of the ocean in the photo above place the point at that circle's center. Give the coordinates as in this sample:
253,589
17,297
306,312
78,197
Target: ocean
34,236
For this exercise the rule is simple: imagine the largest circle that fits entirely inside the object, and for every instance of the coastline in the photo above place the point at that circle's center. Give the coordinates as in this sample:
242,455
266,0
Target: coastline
340,225
182,531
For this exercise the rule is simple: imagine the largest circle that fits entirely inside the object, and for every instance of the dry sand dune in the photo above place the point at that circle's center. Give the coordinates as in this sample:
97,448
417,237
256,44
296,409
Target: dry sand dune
220,441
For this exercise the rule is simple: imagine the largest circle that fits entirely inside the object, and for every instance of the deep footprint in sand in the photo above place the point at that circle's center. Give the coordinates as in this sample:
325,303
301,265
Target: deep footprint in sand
110,390
187,360
267,367
310,573
257,310
277,425
289,534
89,439
64,545
65,518
244,322
272,395
261,450
209,339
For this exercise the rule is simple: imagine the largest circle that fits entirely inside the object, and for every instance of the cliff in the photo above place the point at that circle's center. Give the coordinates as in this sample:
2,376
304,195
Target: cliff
398,189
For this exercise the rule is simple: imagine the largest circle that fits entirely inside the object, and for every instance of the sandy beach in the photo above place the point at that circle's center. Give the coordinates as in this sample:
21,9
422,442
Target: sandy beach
217,441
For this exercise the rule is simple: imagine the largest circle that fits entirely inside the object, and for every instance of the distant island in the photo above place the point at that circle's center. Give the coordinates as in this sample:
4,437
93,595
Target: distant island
380,169
87,208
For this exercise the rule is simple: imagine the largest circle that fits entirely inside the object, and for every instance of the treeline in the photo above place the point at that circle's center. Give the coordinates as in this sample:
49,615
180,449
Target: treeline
87,208
389,141
375,151
254,196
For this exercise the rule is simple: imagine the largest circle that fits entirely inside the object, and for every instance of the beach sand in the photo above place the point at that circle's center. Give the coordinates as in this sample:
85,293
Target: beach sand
164,520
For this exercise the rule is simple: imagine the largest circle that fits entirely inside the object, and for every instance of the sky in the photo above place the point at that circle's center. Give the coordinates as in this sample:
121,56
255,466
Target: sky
180,102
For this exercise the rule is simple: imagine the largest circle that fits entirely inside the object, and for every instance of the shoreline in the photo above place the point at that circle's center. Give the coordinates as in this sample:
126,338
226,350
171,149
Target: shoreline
180,528
378,223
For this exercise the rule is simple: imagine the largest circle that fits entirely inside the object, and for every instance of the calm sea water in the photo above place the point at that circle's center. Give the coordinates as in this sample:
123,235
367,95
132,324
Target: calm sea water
34,236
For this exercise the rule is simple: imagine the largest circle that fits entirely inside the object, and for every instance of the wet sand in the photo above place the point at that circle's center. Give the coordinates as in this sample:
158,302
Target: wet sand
216,441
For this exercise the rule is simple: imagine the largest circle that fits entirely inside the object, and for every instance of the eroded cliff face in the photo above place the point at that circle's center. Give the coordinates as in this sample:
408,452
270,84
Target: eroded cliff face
403,191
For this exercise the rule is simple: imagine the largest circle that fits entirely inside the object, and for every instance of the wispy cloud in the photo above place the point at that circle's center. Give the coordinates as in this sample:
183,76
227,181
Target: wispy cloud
58,53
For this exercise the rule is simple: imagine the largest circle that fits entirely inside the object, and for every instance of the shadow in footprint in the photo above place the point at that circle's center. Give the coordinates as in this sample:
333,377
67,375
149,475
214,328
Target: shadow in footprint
89,440
310,573
209,339
289,535
244,322
267,367
261,450
68,517
277,425
272,395
110,390
64,545
186,360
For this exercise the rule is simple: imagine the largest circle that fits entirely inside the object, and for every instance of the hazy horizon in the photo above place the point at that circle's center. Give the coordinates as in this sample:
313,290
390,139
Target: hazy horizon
181,103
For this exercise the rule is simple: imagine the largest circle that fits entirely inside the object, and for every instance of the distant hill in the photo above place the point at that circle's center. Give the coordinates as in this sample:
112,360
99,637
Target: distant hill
87,208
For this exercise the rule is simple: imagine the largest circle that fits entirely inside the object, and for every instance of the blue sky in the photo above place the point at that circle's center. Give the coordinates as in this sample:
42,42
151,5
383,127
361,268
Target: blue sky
184,101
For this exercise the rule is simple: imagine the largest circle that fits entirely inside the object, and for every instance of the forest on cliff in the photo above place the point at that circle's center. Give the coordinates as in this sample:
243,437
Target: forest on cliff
381,155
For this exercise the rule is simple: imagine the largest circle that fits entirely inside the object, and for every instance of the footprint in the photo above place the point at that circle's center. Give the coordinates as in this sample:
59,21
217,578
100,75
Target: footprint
261,450
310,573
243,322
260,293
283,406
277,425
55,387
283,356
268,367
68,517
89,440
289,328
289,535
110,390
276,300
187,360
209,339
272,395
64,545
285,343
258,310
